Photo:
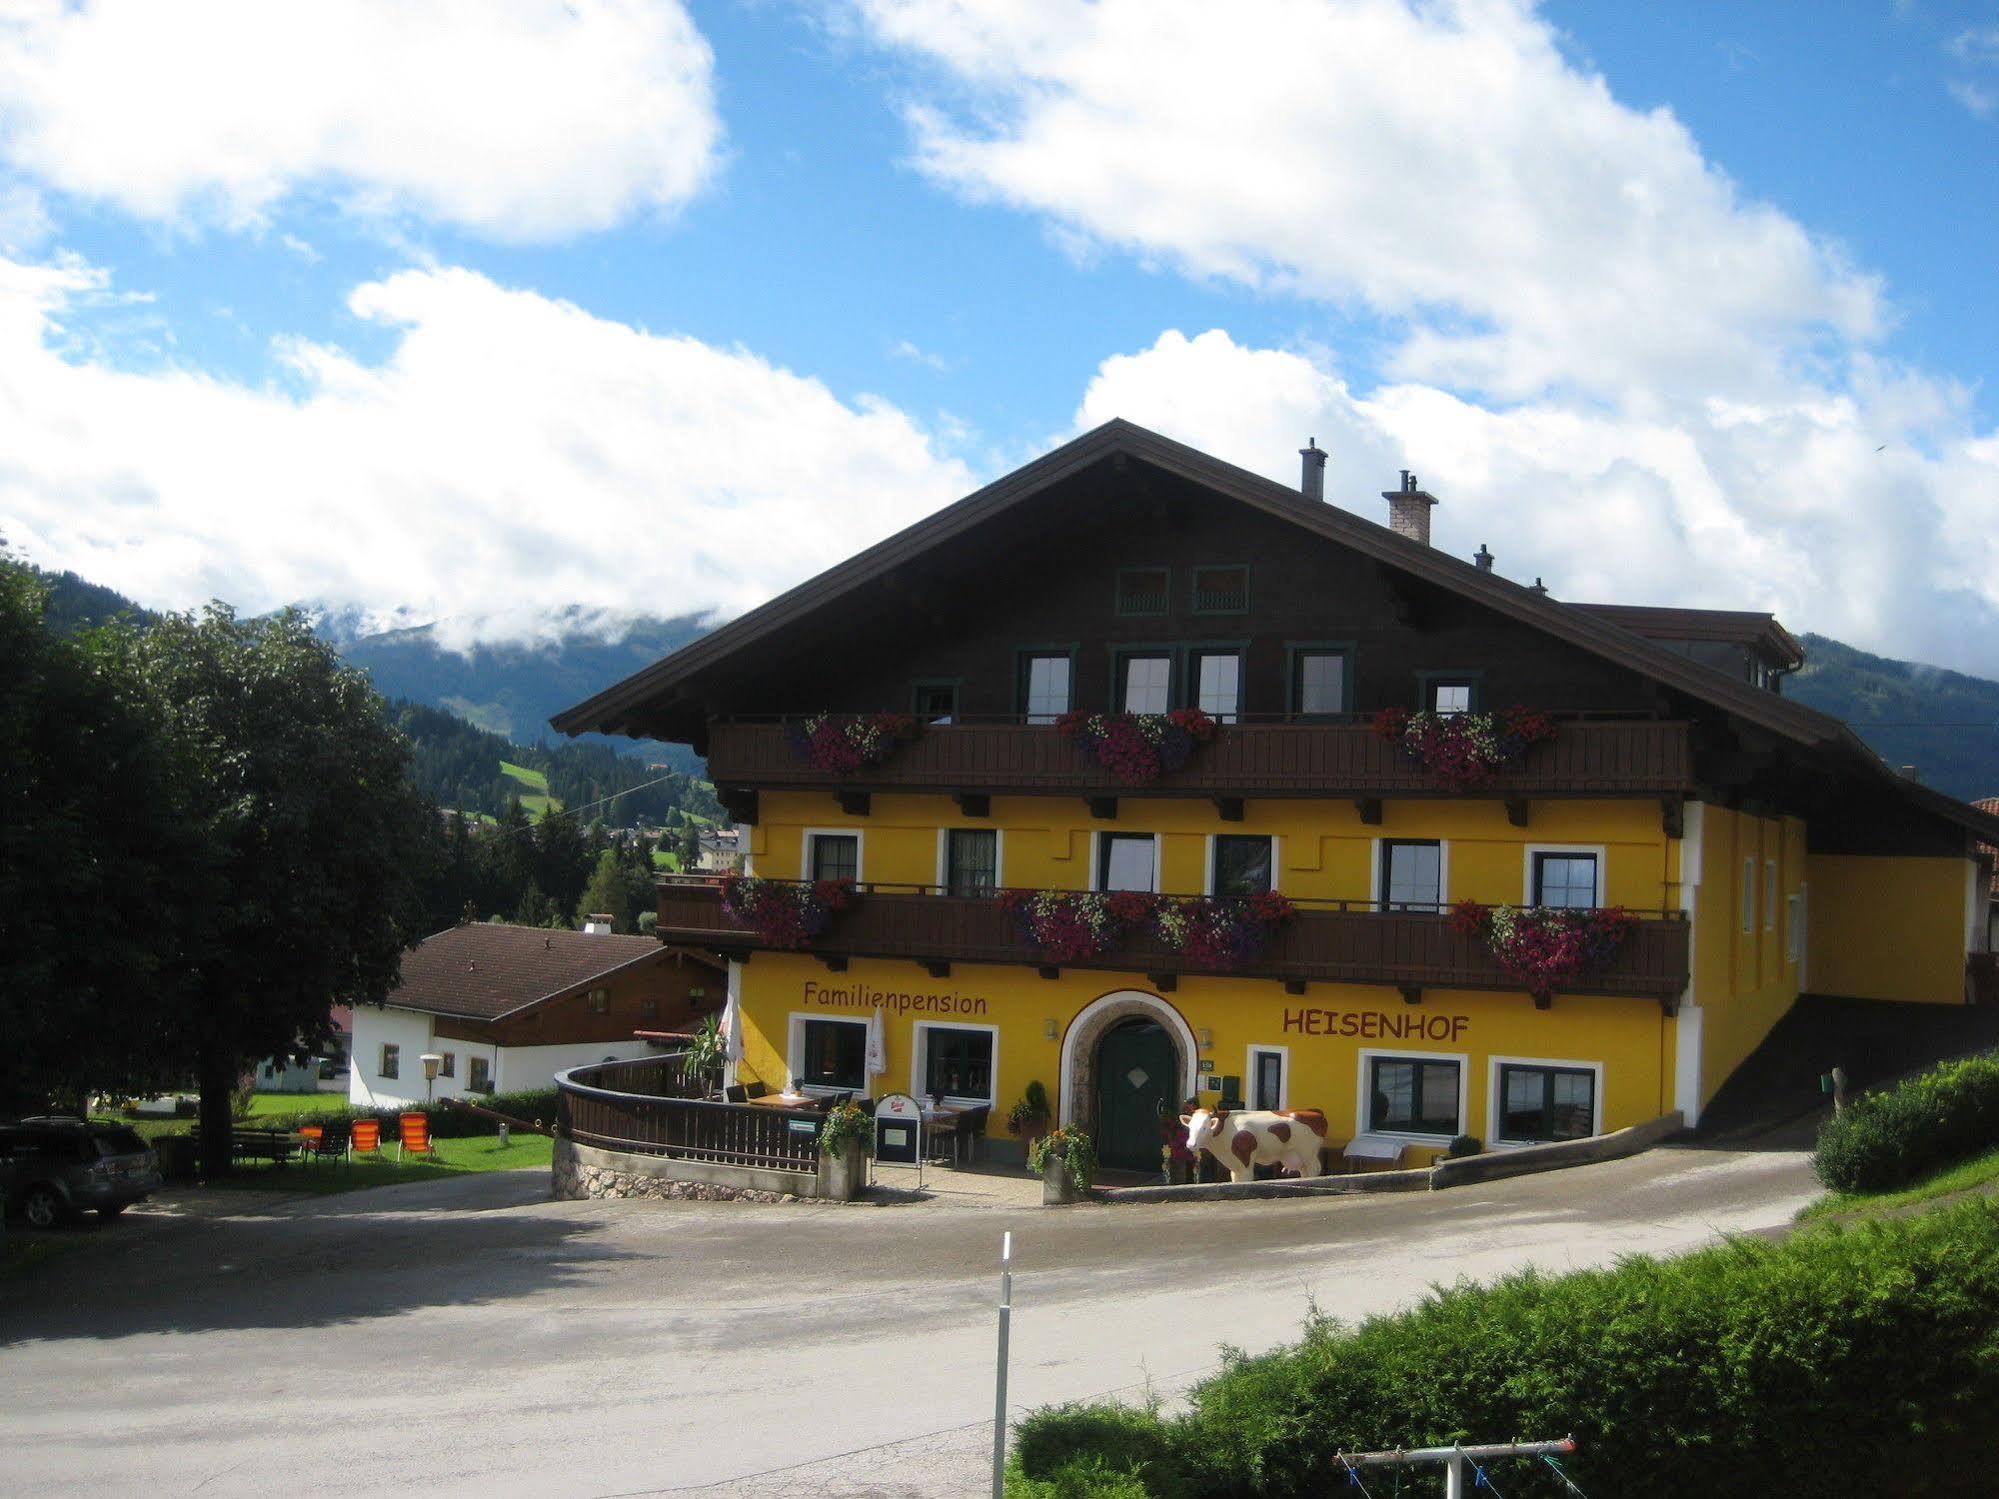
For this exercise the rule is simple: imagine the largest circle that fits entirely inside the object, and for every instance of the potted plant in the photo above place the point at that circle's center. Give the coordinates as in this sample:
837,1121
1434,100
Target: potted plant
844,1140
1031,1116
705,1054
1067,1162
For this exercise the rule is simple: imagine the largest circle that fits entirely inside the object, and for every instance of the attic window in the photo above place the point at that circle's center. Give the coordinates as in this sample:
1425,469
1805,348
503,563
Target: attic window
1221,590
1143,590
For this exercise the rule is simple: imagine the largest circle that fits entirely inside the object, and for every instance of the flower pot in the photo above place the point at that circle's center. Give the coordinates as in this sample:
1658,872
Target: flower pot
843,1173
1056,1188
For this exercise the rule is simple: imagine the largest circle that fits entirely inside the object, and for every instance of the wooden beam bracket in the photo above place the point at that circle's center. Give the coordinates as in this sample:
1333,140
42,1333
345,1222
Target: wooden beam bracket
1165,983
835,962
1049,971
974,804
855,803
1294,986
937,968
1673,816
1516,811
1104,807
1369,808
1412,994
740,802
1544,1001
1229,808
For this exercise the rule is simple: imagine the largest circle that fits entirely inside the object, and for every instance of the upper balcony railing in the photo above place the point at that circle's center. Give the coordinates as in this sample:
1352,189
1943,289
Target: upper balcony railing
1328,941
1587,756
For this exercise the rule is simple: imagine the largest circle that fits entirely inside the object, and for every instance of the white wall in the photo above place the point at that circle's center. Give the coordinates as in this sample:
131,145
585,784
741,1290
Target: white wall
523,1068
373,1025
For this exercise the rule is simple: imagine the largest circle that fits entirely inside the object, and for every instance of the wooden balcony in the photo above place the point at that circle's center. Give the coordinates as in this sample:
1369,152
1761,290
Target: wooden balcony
1586,757
1336,942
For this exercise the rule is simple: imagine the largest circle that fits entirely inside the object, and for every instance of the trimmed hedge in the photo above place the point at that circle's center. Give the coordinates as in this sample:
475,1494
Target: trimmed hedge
1856,1360
1886,1140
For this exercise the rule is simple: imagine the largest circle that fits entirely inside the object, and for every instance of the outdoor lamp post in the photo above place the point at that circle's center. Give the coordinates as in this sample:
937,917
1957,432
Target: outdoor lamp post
431,1062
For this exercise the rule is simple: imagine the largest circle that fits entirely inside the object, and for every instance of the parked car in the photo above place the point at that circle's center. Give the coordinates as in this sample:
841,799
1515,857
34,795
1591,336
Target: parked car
53,1168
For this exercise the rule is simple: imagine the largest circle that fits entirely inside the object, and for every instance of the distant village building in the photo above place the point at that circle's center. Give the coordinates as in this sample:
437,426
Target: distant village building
721,851
507,1007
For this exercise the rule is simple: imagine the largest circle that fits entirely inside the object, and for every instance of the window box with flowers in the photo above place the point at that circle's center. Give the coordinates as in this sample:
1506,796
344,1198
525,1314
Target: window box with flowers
846,743
1545,948
1464,750
1138,748
1065,926
785,913
1226,936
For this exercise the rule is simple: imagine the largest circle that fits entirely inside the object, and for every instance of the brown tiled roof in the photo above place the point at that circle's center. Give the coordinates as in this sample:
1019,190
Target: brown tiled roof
484,970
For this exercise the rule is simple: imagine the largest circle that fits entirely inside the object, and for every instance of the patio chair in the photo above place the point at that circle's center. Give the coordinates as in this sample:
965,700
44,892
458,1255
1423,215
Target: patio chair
735,1093
415,1136
332,1142
365,1139
755,1088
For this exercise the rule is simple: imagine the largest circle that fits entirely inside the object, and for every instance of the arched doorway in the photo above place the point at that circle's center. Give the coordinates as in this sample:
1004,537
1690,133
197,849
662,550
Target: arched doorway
1137,1075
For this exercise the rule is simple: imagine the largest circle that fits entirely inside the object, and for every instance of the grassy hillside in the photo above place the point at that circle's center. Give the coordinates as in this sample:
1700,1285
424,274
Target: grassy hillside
534,788
1942,722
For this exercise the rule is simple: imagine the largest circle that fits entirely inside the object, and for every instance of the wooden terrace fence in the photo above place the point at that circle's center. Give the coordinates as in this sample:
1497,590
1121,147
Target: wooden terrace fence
649,1107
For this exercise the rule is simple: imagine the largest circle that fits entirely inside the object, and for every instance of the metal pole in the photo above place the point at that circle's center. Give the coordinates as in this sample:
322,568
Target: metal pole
999,1385
1454,1475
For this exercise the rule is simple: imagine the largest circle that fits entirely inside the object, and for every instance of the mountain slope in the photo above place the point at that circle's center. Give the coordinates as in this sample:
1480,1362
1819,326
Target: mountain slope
1942,722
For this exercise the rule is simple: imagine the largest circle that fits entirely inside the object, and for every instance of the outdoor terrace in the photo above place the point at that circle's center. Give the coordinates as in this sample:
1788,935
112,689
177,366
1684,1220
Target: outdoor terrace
1329,941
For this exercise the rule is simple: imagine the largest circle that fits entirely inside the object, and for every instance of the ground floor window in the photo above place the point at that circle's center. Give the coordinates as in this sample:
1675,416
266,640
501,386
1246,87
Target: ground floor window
392,1060
1413,1095
447,1064
1243,864
1546,1103
481,1080
957,1063
835,1054
1266,1078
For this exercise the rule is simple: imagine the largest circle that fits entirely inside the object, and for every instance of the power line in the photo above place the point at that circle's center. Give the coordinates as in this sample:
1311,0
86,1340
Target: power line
601,801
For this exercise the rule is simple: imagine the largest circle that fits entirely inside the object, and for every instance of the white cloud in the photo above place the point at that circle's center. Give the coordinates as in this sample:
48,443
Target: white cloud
512,456
1982,102
1441,162
1783,505
513,119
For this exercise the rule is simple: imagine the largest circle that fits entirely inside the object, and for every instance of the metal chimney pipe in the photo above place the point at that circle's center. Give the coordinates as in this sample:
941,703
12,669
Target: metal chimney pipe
1312,471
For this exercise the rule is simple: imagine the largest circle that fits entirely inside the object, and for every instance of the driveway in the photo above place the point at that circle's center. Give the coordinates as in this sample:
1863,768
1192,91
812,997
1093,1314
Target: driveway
471,1337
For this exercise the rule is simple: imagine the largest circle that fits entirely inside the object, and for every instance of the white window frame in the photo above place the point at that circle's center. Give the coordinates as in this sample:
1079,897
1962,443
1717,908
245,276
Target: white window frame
794,1054
1276,851
1749,896
1283,1054
1599,851
382,1061
1376,895
944,853
1362,1097
919,1058
860,837
1096,853
1771,891
1794,926
1495,1102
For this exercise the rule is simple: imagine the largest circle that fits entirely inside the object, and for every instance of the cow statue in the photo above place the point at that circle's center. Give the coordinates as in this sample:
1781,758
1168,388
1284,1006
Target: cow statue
1244,1139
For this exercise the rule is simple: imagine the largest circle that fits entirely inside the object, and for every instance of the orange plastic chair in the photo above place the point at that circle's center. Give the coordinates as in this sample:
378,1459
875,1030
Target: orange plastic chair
366,1139
416,1136
311,1134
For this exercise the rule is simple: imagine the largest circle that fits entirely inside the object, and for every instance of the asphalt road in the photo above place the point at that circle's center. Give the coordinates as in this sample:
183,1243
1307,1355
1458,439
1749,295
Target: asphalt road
470,1337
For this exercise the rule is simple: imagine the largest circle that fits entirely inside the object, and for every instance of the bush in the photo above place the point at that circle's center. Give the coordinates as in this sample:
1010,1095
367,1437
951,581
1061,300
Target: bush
1839,1361
1886,1140
536,1106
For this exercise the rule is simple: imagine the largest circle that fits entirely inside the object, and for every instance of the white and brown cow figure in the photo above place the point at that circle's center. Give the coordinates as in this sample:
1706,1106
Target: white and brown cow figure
1244,1139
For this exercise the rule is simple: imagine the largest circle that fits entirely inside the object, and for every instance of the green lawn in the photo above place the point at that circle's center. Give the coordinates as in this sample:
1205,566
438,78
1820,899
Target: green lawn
666,859
263,1104
454,1158
534,788
1966,1176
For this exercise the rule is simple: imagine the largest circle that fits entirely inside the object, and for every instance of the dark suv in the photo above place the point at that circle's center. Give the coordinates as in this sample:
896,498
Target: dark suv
53,1168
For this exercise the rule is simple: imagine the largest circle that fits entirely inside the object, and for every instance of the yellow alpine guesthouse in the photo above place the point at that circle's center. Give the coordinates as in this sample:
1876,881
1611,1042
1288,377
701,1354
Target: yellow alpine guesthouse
1144,778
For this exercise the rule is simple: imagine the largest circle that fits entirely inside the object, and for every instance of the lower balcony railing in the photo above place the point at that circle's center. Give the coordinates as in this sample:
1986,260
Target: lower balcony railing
1327,941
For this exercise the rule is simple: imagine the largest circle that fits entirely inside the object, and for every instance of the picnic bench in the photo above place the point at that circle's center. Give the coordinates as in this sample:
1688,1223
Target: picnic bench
274,1145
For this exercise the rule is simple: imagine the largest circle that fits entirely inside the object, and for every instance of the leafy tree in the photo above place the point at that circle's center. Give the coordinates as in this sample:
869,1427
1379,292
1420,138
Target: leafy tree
299,788
619,888
97,874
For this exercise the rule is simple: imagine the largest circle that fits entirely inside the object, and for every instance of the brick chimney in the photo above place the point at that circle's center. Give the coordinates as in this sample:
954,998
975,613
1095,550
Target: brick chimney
1312,478
1409,509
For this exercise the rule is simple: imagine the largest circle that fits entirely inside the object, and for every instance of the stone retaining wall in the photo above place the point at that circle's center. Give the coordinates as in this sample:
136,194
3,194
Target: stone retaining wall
579,1171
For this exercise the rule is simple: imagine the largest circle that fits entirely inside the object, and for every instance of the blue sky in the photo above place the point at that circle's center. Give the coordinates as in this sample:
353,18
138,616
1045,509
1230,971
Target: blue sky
758,282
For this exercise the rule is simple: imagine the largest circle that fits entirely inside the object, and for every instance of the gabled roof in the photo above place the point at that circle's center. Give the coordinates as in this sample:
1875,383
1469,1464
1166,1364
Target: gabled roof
488,970
1737,626
1588,628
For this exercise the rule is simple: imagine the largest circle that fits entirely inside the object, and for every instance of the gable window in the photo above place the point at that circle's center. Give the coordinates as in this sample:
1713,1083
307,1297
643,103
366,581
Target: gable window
1413,1096
1143,590
971,861
1318,682
392,1060
1221,590
649,1009
1125,861
1546,1103
600,1001
1218,684
1045,687
935,702
1243,864
833,856
447,1065
1412,874
834,1054
481,1080
1564,879
957,1063
1145,683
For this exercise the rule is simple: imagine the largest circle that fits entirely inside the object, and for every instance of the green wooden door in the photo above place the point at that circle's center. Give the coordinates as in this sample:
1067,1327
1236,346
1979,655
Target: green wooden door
1136,1072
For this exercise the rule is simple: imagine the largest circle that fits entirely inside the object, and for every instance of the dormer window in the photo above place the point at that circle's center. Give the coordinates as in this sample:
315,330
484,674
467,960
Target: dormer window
1143,590
1221,590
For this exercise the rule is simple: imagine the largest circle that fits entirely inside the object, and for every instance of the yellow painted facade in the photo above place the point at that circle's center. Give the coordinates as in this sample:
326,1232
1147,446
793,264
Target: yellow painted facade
1765,914
1890,928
